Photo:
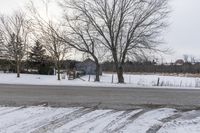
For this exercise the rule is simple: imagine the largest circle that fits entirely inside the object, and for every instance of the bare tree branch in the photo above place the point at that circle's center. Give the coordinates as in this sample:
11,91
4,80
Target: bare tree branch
123,26
15,32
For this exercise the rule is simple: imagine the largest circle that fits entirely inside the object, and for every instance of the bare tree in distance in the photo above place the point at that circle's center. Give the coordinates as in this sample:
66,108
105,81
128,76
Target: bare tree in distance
57,49
189,59
125,27
186,58
193,59
15,32
82,36
49,32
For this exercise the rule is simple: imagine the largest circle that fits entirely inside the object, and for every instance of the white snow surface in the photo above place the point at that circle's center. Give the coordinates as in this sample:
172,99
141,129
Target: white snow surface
87,120
106,81
149,119
188,123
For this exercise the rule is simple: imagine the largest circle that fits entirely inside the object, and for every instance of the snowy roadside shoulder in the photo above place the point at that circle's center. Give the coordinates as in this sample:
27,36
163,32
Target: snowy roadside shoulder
79,119
107,80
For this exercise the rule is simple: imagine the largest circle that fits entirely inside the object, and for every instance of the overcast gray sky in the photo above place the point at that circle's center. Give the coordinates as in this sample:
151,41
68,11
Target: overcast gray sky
183,35
184,32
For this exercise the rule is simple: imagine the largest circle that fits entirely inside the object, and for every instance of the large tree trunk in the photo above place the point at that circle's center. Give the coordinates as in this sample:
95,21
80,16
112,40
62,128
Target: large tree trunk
18,69
58,68
59,73
119,67
120,74
97,78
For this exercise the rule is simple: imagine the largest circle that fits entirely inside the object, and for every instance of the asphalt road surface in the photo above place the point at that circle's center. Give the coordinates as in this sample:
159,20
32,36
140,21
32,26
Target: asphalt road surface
115,98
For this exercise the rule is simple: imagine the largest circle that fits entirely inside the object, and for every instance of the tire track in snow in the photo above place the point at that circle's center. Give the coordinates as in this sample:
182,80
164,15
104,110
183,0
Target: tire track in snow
119,120
63,120
156,128
153,117
33,114
11,110
188,122
129,120
77,127
3,108
98,125
32,124
7,109
81,120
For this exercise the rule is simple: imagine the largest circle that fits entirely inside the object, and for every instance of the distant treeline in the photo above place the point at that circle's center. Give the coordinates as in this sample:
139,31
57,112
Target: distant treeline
47,66
152,67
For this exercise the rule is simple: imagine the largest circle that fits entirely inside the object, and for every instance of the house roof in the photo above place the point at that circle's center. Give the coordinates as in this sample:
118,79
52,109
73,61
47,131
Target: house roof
88,60
179,62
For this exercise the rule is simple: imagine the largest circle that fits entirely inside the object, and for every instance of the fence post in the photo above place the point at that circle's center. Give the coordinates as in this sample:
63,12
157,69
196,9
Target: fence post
158,82
112,77
89,78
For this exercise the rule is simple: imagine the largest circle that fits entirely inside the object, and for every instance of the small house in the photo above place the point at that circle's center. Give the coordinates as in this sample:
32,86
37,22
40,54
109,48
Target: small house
88,66
179,62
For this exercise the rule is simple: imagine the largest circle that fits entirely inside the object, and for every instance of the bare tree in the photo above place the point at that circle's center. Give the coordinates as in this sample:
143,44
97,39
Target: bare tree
125,27
82,36
49,32
186,58
57,49
193,59
15,30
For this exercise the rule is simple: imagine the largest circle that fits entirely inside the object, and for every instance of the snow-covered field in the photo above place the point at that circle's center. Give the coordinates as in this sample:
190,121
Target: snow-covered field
41,119
106,80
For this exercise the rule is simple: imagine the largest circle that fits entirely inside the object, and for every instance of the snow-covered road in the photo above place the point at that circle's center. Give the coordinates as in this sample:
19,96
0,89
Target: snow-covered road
84,120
